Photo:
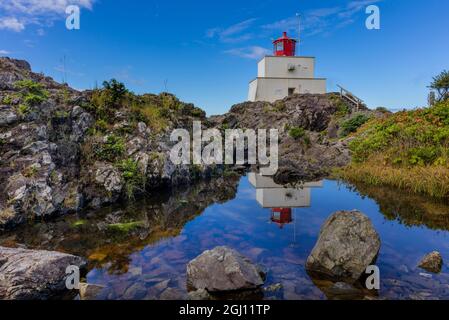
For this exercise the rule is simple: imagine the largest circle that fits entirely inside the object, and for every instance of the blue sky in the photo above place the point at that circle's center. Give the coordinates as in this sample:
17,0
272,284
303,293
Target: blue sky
206,51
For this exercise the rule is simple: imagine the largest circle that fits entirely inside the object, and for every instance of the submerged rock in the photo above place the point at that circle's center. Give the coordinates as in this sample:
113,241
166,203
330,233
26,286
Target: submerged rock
89,291
347,245
34,274
433,262
222,269
200,294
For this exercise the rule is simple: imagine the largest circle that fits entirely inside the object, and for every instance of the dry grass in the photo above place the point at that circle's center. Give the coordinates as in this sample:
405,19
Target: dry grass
427,180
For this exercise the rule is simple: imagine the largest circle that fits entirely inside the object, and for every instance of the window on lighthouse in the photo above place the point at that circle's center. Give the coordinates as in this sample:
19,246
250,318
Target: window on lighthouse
280,46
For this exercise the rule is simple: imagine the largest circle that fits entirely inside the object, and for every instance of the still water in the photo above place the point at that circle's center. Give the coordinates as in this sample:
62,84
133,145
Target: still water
140,251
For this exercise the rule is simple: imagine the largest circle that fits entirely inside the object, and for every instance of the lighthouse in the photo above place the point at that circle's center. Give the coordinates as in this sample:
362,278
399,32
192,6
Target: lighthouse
283,74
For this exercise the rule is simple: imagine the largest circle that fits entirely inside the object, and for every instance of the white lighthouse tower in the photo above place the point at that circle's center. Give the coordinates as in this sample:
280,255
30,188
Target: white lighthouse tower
284,74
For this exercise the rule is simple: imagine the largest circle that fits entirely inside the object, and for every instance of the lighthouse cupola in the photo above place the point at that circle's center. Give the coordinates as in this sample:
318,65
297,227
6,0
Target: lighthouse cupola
284,46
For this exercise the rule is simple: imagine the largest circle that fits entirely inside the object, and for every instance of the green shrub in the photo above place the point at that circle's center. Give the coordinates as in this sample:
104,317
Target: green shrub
101,125
353,124
296,132
113,148
32,93
382,109
133,177
8,100
115,90
23,109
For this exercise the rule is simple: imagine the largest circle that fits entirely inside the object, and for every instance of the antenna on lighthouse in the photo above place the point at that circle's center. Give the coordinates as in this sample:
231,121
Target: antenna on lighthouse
299,31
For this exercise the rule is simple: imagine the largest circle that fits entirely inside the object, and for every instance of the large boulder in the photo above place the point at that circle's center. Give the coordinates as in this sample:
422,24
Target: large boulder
222,269
347,245
33,274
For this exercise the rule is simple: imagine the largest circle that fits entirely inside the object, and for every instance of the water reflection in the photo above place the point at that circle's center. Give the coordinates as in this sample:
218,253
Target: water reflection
281,200
407,208
140,251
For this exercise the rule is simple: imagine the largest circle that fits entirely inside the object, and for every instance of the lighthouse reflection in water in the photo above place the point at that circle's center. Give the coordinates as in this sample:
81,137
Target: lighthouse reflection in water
282,201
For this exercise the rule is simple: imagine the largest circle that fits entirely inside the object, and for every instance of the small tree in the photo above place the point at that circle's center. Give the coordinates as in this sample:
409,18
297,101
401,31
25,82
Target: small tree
441,85
116,90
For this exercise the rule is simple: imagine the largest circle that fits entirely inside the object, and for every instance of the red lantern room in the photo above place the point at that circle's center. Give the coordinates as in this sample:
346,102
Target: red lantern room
284,46
281,216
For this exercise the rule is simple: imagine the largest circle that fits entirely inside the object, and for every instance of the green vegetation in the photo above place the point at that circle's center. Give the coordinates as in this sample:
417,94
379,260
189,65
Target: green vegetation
115,92
78,223
134,179
126,227
30,172
440,84
408,149
112,148
382,109
32,93
279,106
296,132
8,100
154,110
23,109
342,108
353,124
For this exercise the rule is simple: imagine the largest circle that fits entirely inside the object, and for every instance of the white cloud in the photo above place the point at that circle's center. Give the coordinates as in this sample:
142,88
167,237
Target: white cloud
253,52
4,52
322,20
232,33
11,23
20,13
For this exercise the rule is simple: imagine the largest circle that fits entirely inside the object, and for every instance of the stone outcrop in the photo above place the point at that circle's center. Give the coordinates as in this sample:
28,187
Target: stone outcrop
222,269
33,274
433,262
314,150
50,161
347,245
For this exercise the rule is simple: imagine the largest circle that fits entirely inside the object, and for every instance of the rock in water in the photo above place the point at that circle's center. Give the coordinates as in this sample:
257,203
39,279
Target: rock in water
90,291
34,274
222,269
433,262
347,245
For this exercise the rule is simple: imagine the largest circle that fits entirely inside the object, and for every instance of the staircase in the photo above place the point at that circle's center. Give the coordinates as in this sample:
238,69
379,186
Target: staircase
351,98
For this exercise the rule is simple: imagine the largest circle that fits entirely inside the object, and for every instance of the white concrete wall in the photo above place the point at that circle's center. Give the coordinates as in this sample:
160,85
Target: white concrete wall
278,67
261,68
272,89
283,198
258,181
252,93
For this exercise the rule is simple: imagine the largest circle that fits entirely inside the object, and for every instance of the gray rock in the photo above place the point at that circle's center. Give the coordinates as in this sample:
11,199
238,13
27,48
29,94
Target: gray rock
82,121
33,274
109,177
222,269
135,292
347,245
200,294
433,262
172,294
90,291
